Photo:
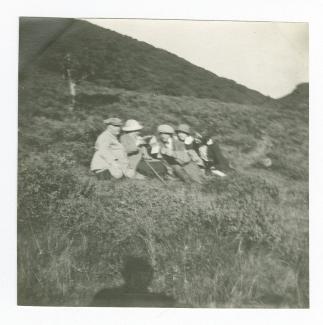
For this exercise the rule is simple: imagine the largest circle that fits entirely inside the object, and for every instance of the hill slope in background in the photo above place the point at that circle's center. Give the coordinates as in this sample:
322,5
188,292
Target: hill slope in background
121,61
297,98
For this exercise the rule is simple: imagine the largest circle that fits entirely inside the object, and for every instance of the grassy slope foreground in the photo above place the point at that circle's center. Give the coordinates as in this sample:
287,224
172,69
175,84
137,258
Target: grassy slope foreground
240,241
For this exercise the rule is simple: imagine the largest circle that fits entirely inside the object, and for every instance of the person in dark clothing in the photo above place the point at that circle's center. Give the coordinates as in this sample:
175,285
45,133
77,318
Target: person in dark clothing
210,152
137,274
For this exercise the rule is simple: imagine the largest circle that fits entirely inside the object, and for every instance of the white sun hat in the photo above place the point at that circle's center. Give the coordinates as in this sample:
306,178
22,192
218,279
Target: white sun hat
132,125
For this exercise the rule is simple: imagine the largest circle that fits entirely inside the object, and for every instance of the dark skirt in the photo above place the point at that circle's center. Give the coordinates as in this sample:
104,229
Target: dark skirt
103,175
149,168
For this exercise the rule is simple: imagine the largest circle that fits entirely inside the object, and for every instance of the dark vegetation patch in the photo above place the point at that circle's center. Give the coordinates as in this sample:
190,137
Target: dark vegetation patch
96,99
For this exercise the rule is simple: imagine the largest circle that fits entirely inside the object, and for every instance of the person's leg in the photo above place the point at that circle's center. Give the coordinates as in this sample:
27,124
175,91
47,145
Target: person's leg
180,172
130,173
116,171
134,160
208,166
130,168
194,172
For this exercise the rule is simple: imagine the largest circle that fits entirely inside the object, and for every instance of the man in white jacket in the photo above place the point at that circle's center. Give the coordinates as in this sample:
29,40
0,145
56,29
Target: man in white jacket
110,156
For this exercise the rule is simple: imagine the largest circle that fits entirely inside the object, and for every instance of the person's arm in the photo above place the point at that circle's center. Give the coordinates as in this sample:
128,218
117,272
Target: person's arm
154,148
182,157
180,154
129,144
145,154
102,146
195,157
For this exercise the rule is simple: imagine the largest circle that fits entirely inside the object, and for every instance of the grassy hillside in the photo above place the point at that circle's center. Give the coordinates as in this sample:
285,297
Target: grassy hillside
235,242
120,61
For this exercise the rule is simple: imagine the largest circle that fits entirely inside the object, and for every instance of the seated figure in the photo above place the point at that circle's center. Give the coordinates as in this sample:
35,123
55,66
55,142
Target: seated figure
210,152
183,134
133,144
136,147
173,152
110,157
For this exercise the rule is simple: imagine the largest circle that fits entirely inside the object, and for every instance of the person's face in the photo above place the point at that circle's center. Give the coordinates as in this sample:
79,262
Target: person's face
114,129
133,134
181,136
164,137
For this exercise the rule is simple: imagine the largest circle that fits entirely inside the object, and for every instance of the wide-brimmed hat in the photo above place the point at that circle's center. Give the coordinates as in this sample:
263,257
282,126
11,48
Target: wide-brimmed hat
113,121
132,125
164,128
183,128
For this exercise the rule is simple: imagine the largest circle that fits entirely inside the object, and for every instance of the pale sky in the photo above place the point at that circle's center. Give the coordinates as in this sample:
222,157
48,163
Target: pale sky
269,57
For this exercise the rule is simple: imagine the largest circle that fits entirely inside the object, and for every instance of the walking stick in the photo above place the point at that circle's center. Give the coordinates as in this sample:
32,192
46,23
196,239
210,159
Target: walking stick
154,171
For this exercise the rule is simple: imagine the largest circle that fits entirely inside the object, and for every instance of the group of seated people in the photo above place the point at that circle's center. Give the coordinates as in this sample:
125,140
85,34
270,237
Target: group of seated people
121,151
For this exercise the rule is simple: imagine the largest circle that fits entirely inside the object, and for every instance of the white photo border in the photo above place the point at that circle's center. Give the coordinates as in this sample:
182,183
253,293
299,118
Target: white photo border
248,10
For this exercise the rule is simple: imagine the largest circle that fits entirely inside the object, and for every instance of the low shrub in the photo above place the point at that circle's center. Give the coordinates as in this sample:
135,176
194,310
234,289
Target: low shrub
202,245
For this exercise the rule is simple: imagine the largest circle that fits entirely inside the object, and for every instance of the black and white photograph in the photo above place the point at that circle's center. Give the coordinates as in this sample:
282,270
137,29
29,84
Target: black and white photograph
163,163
